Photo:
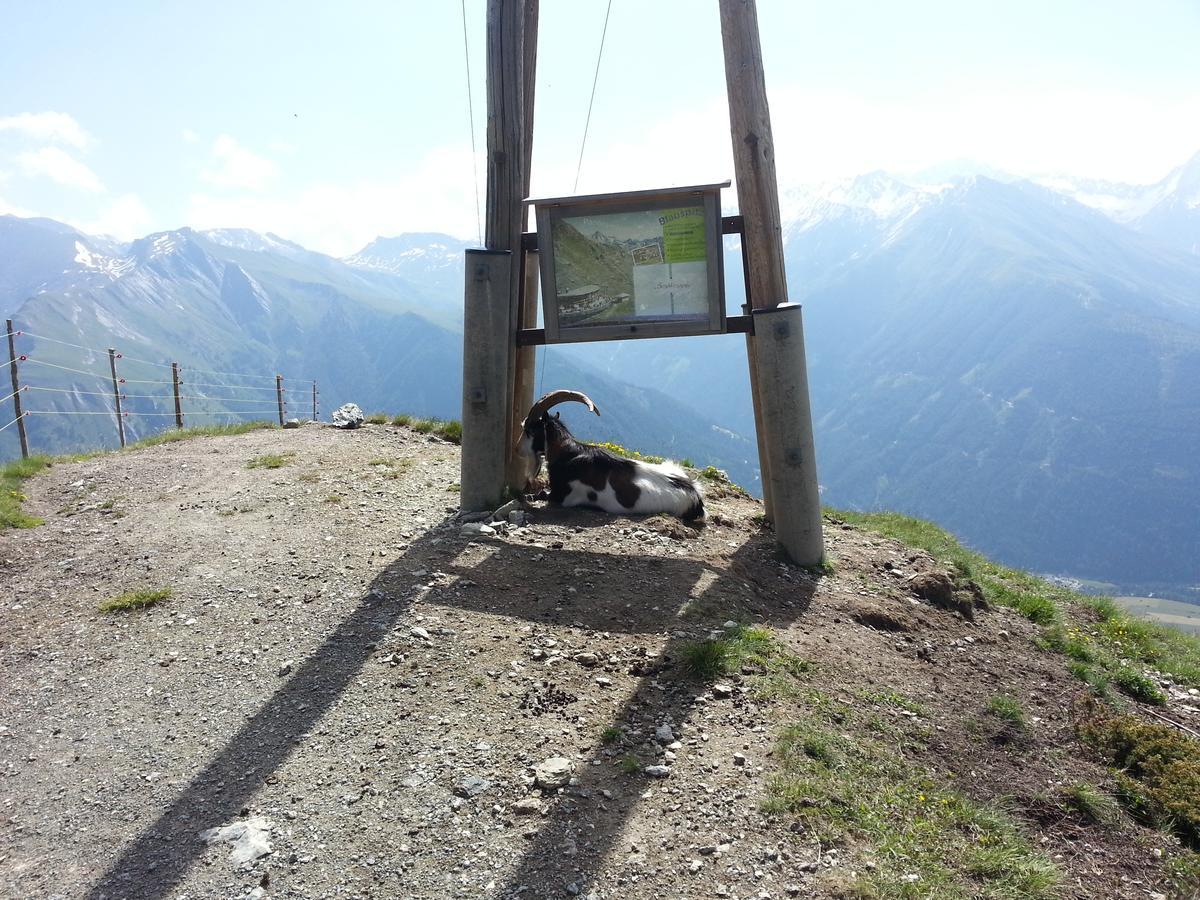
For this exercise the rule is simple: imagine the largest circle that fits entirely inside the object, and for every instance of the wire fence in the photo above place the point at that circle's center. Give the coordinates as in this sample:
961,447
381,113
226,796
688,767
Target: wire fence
221,397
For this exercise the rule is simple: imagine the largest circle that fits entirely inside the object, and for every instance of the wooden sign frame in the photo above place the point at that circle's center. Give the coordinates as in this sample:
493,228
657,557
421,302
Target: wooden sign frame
552,212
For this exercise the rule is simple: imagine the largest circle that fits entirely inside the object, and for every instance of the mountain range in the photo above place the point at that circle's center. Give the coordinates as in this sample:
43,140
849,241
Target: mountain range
1017,359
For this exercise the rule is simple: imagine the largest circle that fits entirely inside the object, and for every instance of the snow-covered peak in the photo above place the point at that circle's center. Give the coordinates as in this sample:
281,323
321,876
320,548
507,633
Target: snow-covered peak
1127,203
112,266
877,196
245,239
408,251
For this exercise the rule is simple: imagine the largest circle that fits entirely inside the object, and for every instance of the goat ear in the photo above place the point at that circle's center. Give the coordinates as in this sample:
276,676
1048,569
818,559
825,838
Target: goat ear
558,416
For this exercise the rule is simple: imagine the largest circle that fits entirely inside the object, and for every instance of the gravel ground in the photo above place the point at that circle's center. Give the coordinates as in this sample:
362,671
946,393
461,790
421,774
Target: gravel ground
369,689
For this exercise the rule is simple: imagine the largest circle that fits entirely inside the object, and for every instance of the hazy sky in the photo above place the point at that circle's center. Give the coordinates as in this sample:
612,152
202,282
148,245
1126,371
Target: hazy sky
332,123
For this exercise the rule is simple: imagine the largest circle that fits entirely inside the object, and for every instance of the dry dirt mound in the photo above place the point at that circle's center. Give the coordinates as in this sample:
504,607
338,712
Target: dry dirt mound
365,691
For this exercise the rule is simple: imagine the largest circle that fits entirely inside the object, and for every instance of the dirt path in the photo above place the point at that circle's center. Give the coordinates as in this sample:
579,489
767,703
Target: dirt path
339,662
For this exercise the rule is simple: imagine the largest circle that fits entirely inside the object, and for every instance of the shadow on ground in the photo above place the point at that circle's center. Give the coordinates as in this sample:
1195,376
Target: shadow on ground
644,594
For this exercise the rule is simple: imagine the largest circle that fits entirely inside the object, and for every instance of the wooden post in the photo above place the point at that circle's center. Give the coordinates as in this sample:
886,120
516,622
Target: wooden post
279,397
525,369
314,418
175,388
782,410
489,396
112,367
484,407
12,368
526,375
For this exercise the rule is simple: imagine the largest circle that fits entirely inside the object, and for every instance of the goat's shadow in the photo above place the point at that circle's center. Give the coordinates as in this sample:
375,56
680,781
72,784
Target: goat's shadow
160,857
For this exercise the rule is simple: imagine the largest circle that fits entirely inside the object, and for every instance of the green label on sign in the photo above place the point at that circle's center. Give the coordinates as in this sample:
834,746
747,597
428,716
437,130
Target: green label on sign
683,234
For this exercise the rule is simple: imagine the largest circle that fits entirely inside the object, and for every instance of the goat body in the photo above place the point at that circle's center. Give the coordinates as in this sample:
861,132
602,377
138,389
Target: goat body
581,475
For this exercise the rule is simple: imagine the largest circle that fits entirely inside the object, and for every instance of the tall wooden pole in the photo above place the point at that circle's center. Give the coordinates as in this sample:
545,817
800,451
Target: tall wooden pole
175,390
525,369
314,418
779,376
488,396
12,368
279,397
112,367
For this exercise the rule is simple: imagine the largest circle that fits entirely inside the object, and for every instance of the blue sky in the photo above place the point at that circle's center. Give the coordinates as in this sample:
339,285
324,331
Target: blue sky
329,124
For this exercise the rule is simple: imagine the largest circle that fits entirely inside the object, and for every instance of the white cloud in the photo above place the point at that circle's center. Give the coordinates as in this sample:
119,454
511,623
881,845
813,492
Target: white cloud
8,209
823,136
189,136
436,194
59,166
48,127
237,167
126,217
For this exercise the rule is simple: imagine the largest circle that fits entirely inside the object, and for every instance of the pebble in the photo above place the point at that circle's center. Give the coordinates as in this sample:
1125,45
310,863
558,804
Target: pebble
471,786
554,772
657,771
663,734
528,807
722,690
477,529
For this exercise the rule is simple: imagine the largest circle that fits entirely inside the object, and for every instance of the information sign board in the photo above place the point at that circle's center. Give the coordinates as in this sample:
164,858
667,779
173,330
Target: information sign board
638,264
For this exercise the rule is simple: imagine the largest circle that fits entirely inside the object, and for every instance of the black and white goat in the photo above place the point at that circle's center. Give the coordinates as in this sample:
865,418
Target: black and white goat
582,475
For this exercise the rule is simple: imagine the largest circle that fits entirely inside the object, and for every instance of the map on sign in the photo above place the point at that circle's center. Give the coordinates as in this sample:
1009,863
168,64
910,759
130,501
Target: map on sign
648,265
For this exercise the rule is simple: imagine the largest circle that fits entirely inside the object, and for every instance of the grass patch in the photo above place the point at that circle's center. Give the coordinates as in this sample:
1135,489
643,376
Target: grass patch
1159,767
717,482
402,419
630,764
1087,629
12,478
611,735
447,430
270,461
184,434
743,648
618,450
1007,709
925,840
376,419
1091,676
1098,807
1138,686
139,599
332,498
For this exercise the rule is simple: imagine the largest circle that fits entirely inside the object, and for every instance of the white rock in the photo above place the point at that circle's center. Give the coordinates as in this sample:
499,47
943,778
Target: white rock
348,415
248,839
555,772
657,771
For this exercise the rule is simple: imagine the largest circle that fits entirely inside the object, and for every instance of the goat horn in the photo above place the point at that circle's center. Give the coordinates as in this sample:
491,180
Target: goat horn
556,397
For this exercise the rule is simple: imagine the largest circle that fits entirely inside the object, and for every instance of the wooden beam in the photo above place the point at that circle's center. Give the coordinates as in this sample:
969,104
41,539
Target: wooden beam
778,376
753,152
525,364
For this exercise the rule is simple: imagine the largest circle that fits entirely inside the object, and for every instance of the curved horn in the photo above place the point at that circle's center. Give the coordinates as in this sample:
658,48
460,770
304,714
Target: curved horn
556,397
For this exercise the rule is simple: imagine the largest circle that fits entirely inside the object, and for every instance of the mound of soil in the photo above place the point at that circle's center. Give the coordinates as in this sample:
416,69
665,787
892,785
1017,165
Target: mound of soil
367,690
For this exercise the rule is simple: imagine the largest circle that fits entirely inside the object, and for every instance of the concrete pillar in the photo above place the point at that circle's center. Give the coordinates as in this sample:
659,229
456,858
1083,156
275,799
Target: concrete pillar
791,458
486,402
